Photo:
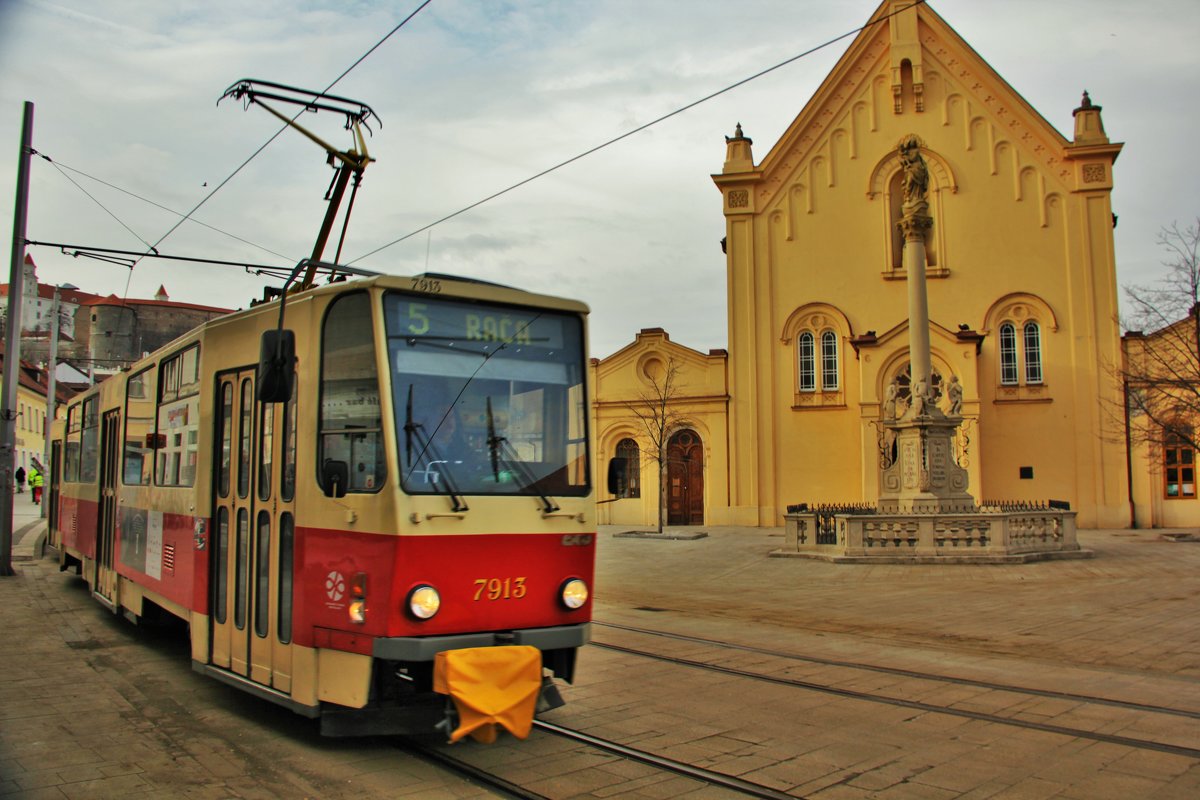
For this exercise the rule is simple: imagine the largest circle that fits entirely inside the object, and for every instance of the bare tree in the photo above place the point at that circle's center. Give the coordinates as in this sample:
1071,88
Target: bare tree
658,414
1161,372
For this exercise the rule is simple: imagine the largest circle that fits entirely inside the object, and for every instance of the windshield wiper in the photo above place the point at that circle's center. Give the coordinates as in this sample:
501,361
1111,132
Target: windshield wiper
414,431
501,450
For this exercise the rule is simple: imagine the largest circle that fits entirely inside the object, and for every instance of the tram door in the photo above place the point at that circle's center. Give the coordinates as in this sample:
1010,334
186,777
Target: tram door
271,595
110,443
233,504
254,493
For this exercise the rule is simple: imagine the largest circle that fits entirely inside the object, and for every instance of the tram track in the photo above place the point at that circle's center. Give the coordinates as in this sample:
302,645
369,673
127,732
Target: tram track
919,705
507,788
908,673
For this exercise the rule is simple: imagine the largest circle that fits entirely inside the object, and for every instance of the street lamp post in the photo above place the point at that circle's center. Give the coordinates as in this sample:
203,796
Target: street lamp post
51,368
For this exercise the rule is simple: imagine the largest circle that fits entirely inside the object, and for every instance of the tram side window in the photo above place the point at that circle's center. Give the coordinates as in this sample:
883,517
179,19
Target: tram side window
287,529
287,480
71,456
178,437
351,426
266,448
139,429
89,450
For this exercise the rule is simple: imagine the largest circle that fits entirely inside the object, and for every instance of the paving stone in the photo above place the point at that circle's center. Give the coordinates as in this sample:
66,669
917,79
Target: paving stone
168,732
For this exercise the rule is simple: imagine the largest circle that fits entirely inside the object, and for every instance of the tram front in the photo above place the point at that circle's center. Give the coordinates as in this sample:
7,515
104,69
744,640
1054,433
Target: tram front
492,557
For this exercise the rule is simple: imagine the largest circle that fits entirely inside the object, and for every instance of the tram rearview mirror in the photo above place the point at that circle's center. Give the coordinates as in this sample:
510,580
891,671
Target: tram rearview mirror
617,468
276,356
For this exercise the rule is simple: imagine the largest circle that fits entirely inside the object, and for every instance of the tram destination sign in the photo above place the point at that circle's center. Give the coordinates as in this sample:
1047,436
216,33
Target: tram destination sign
447,321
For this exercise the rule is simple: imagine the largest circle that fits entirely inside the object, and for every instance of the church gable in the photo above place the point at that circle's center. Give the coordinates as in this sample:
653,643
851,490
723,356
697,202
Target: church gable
632,370
910,73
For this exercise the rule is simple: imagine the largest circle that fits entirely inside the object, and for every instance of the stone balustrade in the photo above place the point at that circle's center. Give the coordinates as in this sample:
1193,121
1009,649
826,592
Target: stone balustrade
985,536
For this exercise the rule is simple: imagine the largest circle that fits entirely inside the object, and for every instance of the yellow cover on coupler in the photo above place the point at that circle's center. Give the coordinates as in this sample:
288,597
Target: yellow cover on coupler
490,686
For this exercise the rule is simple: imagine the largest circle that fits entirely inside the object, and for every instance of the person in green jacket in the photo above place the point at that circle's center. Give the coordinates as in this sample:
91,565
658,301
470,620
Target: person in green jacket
35,485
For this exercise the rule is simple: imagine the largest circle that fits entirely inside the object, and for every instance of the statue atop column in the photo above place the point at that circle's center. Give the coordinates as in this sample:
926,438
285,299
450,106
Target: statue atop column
914,212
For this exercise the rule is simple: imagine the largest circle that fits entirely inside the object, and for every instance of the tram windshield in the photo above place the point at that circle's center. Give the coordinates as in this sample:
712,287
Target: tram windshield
488,399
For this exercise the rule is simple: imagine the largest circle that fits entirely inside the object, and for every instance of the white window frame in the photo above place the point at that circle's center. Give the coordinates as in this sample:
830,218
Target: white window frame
806,361
1009,373
1031,347
831,366
1020,353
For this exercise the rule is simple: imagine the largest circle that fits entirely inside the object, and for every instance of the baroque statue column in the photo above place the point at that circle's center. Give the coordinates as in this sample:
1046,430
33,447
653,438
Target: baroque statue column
923,477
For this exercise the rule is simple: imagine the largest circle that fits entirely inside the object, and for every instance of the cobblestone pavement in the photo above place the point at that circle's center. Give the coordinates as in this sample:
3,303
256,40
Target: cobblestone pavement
92,707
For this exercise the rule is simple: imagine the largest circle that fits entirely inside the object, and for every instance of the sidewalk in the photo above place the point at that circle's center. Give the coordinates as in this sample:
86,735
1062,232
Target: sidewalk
93,707
29,528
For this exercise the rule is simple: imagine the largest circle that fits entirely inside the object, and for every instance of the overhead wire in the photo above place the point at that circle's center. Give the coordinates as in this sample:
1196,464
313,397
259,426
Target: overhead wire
91,197
153,248
275,135
61,166
636,130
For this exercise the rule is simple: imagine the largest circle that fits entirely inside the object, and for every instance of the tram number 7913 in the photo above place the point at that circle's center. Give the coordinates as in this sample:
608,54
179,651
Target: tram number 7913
499,588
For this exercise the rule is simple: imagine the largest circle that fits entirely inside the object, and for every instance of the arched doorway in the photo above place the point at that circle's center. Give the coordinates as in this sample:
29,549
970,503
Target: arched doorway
685,479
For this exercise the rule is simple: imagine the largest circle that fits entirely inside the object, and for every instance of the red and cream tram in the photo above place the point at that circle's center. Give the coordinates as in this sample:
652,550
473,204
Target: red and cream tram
411,513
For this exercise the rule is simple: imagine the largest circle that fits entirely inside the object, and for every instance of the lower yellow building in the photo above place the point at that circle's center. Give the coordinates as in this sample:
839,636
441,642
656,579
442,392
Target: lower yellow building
661,414
30,433
1162,379
1022,303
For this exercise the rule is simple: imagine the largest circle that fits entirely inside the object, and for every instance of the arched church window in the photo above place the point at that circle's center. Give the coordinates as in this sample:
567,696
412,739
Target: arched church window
807,361
829,361
1021,354
1033,352
814,376
630,458
1008,354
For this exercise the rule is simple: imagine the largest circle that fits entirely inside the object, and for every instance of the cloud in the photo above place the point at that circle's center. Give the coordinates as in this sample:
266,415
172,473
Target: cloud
476,96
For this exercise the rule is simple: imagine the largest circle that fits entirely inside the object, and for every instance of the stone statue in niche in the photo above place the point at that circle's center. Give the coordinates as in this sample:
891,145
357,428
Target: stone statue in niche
955,392
889,403
919,393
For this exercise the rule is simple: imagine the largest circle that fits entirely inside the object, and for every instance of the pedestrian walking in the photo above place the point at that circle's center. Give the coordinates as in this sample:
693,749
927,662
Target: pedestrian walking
20,476
35,485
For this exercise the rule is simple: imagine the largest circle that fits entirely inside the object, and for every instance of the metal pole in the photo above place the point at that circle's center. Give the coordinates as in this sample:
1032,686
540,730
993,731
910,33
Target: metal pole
51,369
12,344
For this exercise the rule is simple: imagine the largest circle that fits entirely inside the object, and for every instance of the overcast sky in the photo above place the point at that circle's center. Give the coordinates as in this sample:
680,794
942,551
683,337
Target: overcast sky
476,95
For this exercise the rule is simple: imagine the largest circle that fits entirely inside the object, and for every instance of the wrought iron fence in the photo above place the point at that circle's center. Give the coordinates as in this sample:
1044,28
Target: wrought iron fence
826,516
1017,506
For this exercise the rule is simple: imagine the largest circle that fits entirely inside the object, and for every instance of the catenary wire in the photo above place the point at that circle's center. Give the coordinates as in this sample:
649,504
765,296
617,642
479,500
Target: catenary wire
61,166
91,197
275,135
636,130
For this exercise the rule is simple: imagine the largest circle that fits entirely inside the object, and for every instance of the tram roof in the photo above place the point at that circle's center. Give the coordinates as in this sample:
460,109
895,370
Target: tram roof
431,284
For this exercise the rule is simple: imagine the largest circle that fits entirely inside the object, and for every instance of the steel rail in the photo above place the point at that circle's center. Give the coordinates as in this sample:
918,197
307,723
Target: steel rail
1139,744
909,673
511,789
669,764
469,771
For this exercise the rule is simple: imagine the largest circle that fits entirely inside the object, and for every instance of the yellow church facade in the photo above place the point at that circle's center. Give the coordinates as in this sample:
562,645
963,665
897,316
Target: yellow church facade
1021,284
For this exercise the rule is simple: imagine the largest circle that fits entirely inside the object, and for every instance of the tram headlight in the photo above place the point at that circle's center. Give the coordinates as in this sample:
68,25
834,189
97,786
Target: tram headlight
424,601
574,593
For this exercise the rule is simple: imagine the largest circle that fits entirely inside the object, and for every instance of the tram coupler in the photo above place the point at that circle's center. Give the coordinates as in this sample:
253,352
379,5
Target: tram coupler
490,688
549,698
